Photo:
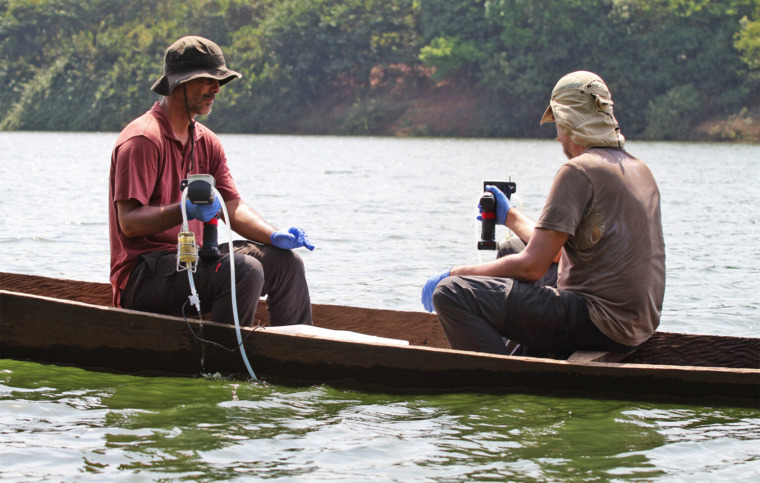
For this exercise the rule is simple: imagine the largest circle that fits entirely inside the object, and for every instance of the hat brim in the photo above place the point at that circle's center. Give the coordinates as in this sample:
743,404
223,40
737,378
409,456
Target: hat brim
548,115
167,83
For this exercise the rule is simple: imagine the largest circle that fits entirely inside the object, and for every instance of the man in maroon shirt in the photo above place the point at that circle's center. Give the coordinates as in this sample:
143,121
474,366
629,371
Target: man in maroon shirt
151,157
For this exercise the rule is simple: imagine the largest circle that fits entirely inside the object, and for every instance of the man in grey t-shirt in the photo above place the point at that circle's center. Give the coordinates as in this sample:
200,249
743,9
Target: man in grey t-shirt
601,219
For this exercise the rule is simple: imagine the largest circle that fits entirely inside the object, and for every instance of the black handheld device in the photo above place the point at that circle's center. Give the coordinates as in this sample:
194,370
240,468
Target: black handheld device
200,191
488,212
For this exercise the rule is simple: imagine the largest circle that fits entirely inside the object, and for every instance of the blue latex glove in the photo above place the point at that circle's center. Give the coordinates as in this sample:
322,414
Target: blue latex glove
503,204
430,285
203,212
293,238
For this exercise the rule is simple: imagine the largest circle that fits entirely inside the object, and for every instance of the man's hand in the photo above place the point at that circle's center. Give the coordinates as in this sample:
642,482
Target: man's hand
293,238
202,212
430,285
503,204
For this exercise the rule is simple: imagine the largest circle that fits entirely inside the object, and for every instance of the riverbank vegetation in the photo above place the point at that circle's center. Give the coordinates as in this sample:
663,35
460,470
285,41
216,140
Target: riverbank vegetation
677,69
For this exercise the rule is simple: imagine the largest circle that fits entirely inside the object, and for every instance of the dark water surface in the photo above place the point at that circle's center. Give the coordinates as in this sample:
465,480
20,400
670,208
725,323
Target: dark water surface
384,214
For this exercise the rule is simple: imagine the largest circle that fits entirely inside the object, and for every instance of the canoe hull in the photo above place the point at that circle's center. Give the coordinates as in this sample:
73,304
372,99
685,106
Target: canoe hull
51,330
70,323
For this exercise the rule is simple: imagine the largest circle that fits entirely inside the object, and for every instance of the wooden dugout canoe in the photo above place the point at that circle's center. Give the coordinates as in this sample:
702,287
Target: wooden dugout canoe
68,322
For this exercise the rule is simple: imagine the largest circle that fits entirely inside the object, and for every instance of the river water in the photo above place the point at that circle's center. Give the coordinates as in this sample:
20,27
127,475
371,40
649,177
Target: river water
384,214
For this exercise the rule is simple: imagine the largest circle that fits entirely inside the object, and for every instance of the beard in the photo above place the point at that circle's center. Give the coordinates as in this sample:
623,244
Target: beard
201,106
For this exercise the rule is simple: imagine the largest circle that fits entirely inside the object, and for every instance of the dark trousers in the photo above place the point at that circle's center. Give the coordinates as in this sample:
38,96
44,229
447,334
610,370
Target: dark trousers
155,285
478,313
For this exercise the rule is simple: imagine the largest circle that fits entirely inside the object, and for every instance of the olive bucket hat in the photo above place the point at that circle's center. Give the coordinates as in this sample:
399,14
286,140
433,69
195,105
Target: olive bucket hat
189,58
581,105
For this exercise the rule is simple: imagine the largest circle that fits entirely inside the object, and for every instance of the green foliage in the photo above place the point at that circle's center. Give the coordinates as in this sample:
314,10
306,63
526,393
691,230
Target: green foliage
643,48
325,43
72,65
464,19
449,56
748,43
677,44
672,115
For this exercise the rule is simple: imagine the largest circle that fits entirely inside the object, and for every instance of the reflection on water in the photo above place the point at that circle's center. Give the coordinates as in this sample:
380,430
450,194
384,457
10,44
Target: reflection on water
106,425
384,215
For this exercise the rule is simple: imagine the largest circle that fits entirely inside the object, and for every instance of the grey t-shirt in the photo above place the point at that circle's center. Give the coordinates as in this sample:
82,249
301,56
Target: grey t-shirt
609,203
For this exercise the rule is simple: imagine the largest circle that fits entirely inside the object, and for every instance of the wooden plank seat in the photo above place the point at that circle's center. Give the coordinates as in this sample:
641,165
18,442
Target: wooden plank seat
597,356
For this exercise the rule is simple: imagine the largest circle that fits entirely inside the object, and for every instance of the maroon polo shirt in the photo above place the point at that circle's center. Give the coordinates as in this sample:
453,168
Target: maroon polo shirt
148,164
